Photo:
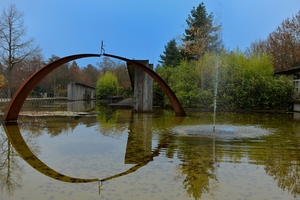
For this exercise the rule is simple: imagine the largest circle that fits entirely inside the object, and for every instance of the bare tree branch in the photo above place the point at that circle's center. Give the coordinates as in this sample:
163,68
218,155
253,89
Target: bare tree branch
14,47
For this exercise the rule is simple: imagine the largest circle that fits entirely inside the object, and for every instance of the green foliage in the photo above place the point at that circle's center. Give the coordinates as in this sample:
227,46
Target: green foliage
243,83
172,55
119,69
248,83
158,95
264,92
206,67
185,81
126,93
107,83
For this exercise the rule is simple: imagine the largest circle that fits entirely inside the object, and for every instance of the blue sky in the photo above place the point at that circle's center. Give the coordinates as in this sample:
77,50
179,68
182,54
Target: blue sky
139,29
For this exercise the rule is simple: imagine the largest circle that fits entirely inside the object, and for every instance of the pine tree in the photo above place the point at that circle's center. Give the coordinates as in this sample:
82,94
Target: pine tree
172,55
200,35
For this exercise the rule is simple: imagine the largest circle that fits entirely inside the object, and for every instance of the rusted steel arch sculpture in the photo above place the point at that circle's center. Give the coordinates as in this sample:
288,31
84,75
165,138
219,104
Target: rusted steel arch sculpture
13,108
178,109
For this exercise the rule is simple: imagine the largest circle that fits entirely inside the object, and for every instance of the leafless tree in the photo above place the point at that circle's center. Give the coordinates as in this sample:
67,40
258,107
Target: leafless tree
14,47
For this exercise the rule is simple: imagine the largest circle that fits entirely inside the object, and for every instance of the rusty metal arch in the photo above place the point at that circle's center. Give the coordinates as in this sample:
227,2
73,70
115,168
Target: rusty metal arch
13,108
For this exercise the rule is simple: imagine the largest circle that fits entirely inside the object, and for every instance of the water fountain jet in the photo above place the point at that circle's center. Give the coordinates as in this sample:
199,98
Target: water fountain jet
215,95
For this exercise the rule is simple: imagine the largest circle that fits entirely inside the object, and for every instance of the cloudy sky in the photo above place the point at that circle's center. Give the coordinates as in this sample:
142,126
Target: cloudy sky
139,29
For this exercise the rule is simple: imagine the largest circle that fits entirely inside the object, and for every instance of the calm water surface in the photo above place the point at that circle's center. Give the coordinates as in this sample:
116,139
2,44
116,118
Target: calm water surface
151,156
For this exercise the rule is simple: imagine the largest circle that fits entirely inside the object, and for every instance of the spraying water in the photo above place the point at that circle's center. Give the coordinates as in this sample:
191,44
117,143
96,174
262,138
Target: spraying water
215,95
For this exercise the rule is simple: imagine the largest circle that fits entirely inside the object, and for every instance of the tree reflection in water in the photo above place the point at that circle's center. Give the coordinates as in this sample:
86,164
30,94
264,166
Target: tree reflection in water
197,170
287,175
281,158
10,168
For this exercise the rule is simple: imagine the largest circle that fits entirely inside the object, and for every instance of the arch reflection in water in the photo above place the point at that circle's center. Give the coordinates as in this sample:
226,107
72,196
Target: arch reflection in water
266,166
13,134
138,149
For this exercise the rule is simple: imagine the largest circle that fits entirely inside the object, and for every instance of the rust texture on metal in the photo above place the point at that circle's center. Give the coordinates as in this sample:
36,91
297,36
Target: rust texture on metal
178,109
13,108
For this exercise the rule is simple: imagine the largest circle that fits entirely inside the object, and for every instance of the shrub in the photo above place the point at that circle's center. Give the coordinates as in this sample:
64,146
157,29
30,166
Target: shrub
107,83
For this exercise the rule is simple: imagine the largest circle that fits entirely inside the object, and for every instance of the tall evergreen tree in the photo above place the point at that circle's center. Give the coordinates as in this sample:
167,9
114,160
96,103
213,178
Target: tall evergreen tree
200,35
172,54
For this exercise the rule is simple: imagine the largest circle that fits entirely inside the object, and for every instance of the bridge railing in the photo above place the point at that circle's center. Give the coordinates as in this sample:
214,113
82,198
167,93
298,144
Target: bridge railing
4,96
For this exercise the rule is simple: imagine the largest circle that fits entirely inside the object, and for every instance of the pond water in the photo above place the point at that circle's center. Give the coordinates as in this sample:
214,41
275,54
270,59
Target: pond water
127,155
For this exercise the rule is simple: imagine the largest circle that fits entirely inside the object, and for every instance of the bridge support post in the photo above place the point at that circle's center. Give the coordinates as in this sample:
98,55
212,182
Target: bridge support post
142,87
164,86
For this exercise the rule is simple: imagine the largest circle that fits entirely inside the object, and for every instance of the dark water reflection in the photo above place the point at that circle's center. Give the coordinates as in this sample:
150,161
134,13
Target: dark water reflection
151,156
